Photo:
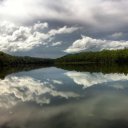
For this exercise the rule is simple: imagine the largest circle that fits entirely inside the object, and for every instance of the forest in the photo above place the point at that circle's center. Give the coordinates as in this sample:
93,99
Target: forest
9,60
105,57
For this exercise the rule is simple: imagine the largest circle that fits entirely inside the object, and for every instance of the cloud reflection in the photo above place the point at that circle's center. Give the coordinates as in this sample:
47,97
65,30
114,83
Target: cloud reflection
98,107
89,79
15,89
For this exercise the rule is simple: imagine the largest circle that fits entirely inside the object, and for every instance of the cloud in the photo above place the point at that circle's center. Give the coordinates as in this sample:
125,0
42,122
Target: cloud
40,26
23,38
95,17
56,43
100,14
26,89
64,30
91,44
117,35
89,79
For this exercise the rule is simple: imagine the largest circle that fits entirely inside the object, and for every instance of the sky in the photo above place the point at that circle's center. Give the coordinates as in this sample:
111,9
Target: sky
50,29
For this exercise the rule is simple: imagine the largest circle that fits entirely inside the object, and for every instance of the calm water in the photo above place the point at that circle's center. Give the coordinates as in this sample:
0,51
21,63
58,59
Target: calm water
56,98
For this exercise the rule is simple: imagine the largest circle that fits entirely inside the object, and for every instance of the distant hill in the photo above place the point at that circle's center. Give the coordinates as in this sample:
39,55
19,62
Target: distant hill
105,57
8,60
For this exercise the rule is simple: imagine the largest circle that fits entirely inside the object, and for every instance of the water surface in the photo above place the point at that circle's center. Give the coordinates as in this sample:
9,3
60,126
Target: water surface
57,98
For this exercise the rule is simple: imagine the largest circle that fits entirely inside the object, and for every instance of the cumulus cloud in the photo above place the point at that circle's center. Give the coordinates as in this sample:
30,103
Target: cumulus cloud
88,43
89,79
22,38
96,16
25,89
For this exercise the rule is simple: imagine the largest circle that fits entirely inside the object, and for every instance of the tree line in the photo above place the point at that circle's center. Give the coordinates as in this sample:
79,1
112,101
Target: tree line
8,60
105,57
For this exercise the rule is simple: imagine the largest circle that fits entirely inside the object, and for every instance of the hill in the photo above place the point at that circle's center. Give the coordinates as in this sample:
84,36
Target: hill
105,57
8,60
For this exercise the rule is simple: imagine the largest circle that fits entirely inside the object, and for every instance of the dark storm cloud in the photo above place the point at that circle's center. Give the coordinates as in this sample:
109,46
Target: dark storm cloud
100,14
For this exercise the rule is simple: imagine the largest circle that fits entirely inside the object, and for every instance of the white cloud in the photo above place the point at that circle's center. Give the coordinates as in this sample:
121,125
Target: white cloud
22,38
15,89
88,43
40,26
64,30
56,43
89,79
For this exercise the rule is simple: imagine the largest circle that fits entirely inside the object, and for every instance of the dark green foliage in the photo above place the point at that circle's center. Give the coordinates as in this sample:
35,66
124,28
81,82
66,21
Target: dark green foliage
8,60
105,56
96,67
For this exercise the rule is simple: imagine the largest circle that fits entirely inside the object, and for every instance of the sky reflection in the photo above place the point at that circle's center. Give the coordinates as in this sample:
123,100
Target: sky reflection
88,79
66,99
24,89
